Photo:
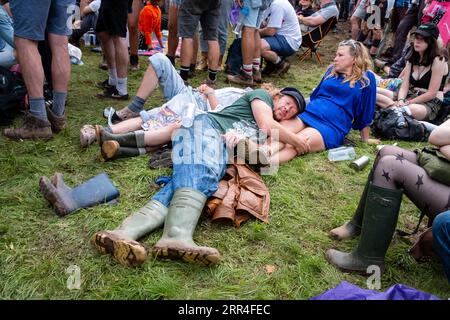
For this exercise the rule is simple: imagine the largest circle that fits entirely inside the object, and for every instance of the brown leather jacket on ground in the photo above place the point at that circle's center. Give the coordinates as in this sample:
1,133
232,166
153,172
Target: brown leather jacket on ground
241,194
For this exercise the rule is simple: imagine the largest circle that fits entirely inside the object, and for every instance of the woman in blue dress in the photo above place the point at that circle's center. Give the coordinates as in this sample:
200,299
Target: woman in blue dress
343,100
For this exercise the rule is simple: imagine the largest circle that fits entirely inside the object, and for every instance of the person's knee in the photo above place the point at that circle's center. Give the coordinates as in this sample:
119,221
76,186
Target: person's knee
388,150
441,224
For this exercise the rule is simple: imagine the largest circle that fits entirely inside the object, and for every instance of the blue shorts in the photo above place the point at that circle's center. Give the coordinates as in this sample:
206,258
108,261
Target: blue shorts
33,18
279,45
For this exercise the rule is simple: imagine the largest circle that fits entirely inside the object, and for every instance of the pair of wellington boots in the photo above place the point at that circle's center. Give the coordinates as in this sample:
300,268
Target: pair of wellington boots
65,200
114,146
176,243
375,221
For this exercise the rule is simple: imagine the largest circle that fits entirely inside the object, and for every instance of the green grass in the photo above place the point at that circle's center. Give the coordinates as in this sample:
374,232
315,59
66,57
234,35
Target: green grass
309,196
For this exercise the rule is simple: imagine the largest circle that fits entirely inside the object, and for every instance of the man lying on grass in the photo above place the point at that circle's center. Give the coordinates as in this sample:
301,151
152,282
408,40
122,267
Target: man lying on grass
199,160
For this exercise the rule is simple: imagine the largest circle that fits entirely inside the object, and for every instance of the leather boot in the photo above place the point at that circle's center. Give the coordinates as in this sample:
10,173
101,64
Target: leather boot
380,218
352,228
176,242
121,243
32,128
65,200
57,122
111,150
133,139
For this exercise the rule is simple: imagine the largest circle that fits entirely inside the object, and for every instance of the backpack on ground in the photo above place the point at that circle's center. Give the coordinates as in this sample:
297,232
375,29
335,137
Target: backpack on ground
12,95
234,58
393,124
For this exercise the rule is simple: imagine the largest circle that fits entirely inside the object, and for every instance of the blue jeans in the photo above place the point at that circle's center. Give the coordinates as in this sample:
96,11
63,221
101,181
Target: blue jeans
225,9
441,240
175,92
199,160
6,28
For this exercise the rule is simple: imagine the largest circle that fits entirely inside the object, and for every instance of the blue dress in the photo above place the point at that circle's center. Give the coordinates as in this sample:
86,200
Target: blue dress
335,108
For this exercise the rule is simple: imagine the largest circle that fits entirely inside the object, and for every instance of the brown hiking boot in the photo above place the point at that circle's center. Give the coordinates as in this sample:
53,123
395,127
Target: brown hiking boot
282,67
257,76
241,78
32,128
57,122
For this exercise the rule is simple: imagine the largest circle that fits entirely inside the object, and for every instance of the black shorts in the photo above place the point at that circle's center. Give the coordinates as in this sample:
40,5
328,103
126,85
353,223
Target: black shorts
112,18
193,11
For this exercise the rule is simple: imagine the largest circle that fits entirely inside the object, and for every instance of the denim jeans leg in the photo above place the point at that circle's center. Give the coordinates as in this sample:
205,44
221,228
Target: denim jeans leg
168,77
199,156
165,194
441,242
6,28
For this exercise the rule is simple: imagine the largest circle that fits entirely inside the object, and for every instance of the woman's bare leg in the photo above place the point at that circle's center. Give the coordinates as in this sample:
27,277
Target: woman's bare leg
129,125
418,111
161,136
289,152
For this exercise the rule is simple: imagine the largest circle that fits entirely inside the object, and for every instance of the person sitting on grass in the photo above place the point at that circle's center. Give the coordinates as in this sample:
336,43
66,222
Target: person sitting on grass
395,171
421,92
199,160
344,99
150,22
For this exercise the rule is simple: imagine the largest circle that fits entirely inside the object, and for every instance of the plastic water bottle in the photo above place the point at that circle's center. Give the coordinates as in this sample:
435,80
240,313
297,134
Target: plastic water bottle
401,121
92,37
341,154
86,39
240,24
188,115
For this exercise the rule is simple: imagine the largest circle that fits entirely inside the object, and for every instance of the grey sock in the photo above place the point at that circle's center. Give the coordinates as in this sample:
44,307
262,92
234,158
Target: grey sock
137,105
59,102
37,108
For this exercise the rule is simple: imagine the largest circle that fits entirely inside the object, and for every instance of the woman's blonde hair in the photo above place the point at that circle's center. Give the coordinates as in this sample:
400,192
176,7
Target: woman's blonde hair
362,63
273,91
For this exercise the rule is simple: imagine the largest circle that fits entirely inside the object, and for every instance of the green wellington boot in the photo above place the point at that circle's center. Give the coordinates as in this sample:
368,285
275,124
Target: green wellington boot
121,243
176,242
380,218
111,150
352,228
133,139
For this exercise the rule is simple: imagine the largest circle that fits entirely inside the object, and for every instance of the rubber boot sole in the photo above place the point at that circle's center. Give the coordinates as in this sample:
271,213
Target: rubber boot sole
109,149
127,252
202,255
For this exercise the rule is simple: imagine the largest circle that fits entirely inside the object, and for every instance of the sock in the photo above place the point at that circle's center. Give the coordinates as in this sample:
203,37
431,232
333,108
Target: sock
256,63
122,86
172,59
137,105
108,129
212,75
278,60
192,68
247,68
134,59
37,108
184,73
59,102
112,80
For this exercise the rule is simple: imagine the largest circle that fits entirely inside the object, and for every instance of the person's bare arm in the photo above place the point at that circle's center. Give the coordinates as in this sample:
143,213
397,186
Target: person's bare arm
264,118
311,21
267,32
437,72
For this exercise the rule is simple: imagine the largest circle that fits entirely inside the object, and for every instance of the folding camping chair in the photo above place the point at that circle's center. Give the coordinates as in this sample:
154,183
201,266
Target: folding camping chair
311,40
